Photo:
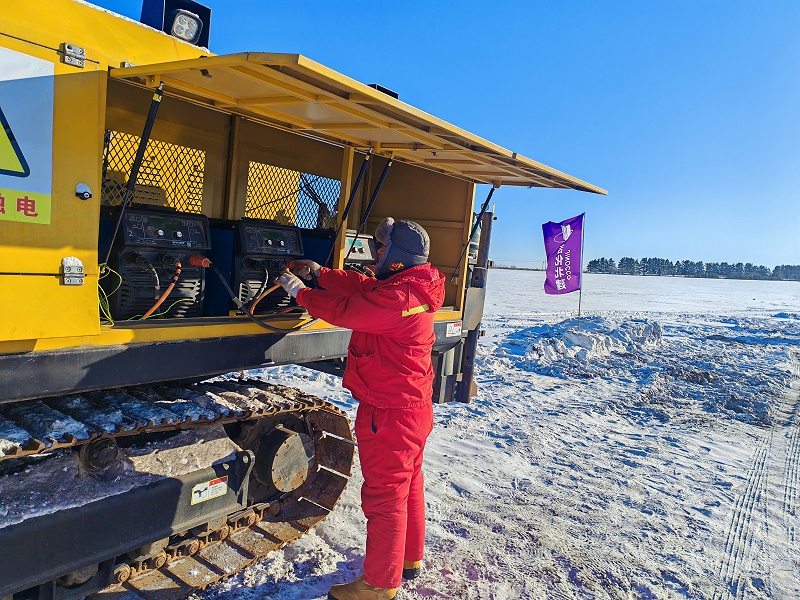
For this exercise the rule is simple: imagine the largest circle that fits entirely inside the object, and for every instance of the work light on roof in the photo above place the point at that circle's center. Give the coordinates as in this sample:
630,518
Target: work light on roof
185,20
186,26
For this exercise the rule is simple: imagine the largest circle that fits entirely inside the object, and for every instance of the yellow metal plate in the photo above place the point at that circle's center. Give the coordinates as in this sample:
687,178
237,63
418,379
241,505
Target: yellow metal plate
40,306
298,94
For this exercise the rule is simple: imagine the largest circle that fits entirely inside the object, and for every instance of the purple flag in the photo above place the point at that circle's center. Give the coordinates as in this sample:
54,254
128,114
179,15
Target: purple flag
563,245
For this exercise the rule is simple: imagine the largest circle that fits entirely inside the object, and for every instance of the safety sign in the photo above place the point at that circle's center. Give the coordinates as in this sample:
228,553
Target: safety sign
12,161
26,137
208,490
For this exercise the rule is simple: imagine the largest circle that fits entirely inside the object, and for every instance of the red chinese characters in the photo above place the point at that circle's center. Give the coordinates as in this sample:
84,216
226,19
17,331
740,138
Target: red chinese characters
27,207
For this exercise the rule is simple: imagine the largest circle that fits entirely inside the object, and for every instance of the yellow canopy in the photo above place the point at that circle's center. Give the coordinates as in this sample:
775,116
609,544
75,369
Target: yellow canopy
295,93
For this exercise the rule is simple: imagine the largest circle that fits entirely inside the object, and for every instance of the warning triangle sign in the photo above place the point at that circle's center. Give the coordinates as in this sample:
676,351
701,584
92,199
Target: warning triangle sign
12,161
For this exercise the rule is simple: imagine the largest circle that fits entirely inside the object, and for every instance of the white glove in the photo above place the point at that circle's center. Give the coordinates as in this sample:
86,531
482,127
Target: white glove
306,268
291,284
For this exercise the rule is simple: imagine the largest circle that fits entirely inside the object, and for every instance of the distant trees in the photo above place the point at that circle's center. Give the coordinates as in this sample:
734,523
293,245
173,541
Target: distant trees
602,265
786,272
629,266
688,268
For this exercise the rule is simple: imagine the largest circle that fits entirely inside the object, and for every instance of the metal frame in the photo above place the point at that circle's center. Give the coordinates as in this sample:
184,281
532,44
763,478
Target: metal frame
476,294
102,367
274,88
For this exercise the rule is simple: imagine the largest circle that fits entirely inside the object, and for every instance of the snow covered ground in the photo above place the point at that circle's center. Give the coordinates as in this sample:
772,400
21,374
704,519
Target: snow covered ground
653,454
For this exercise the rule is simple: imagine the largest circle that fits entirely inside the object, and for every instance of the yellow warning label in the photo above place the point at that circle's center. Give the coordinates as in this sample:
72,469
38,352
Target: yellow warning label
24,207
12,161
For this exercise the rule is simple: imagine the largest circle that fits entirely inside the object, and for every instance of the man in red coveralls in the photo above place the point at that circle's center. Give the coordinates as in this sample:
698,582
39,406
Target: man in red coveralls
389,372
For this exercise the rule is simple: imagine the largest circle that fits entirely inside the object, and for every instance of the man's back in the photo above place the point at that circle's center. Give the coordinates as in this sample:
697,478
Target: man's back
389,356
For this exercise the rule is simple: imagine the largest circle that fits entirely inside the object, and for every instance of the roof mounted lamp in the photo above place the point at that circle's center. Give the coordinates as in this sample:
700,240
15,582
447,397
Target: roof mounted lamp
186,26
183,19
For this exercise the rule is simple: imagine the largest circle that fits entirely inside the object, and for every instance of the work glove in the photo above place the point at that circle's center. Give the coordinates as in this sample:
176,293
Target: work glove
306,268
291,283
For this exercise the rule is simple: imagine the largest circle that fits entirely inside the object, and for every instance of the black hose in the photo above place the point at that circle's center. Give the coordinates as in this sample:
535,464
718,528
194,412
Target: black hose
137,163
374,197
241,307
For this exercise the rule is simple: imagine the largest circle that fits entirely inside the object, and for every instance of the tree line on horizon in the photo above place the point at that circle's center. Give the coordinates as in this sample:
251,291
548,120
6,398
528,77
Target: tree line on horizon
688,268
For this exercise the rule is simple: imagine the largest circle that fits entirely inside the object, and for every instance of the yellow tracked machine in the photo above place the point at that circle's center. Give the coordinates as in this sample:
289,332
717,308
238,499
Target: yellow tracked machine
150,193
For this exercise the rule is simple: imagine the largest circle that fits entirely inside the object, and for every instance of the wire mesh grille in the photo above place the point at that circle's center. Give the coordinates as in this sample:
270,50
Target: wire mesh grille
170,175
291,197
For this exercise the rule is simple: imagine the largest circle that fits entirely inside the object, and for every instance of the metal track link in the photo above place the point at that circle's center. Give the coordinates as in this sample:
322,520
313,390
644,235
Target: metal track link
182,575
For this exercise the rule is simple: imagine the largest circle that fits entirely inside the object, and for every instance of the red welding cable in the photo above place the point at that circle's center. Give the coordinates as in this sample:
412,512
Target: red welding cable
166,293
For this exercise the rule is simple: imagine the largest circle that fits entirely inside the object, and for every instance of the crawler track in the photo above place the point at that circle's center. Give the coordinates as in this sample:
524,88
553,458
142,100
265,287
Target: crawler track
197,559
37,426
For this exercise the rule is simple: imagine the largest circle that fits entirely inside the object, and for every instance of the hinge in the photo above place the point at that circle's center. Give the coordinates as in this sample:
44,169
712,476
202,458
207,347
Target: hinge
71,271
72,54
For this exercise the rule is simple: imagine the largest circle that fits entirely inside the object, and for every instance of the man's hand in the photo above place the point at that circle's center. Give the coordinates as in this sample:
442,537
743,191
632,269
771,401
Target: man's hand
291,284
305,268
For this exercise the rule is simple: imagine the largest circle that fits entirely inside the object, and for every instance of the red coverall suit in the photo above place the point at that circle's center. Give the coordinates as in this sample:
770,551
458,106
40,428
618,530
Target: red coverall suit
389,372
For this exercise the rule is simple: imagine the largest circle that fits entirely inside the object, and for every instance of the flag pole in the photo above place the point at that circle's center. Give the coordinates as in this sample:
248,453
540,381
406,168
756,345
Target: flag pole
580,273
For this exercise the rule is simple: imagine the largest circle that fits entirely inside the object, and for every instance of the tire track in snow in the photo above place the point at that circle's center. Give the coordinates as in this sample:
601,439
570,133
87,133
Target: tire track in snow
750,511
792,468
741,527
792,475
784,495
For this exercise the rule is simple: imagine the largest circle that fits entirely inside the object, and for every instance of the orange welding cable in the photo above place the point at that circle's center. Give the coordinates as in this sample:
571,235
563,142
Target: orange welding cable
166,291
267,291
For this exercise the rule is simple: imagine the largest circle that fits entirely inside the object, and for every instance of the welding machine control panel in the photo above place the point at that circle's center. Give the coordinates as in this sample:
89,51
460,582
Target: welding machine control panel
146,228
274,240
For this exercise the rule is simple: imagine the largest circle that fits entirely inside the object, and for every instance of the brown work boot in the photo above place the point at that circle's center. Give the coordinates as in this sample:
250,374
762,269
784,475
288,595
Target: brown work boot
360,590
411,569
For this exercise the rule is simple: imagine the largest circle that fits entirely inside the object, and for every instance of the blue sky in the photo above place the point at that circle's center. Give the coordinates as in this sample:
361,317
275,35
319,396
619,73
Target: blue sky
687,112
